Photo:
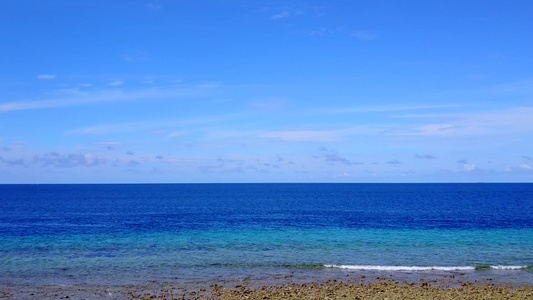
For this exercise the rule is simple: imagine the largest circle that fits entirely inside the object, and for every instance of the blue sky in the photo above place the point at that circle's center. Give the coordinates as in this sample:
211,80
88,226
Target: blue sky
266,91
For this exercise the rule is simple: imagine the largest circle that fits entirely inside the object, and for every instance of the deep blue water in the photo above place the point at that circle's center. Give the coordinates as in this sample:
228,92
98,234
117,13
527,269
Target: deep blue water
88,233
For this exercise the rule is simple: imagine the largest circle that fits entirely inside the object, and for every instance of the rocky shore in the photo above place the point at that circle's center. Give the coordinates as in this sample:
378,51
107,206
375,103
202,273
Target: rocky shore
355,288
351,290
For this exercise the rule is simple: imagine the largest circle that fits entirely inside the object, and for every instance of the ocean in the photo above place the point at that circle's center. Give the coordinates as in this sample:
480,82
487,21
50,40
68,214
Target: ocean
141,233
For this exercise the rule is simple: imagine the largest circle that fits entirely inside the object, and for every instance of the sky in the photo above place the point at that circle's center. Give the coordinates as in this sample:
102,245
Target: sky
266,91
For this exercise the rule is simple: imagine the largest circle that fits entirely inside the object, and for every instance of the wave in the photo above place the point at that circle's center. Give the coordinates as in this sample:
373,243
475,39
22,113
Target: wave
422,268
306,266
511,267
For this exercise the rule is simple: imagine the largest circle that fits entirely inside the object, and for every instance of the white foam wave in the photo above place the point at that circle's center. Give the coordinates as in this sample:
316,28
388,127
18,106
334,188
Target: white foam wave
419,268
400,268
508,267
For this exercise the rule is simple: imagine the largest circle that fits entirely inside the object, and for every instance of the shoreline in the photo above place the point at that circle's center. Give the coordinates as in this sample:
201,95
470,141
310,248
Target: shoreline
295,287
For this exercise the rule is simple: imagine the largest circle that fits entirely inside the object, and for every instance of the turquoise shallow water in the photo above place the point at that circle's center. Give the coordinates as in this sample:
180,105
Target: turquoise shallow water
133,233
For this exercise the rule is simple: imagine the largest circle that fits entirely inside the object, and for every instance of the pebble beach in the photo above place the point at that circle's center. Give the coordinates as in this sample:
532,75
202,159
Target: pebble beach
354,288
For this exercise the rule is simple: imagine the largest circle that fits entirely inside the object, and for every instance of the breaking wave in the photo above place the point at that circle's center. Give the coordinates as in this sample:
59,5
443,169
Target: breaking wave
429,268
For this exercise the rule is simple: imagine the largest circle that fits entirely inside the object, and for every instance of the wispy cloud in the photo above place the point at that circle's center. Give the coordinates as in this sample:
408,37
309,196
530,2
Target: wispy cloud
59,160
364,35
439,129
148,125
154,6
318,32
336,158
109,145
84,98
384,108
136,55
46,76
512,88
115,128
483,123
287,13
116,83
80,99
466,165
268,104
332,157
177,133
229,166
281,15
12,162
302,135
133,163
425,156
520,169
469,167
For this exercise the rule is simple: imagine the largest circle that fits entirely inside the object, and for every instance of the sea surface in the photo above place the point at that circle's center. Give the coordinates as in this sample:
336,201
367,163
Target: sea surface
138,233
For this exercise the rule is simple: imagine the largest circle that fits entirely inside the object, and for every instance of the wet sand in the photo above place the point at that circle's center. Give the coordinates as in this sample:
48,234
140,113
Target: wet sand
280,288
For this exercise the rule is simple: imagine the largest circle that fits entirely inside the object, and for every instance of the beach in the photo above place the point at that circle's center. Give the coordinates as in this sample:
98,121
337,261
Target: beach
447,287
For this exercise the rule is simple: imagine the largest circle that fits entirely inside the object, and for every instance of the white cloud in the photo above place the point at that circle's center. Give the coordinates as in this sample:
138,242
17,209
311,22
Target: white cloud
343,175
109,143
208,85
526,167
177,133
68,160
511,120
80,99
14,162
335,158
147,125
46,76
302,135
84,98
438,129
377,109
469,167
281,15
513,88
363,35
116,83
268,104
110,128
425,156
318,32
154,6
136,55
286,14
